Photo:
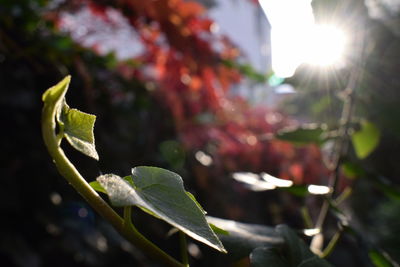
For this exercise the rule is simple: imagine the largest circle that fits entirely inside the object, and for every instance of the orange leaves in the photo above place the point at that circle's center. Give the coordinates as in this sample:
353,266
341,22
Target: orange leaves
195,25
179,44
195,83
227,76
175,17
188,9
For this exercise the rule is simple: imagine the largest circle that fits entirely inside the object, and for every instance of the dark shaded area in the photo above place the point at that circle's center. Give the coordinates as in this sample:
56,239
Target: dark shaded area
44,221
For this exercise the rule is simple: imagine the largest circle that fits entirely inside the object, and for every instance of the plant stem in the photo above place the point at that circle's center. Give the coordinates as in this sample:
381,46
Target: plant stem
343,196
341,145
71,174
306,217
183,247
330,247
340,151
128,216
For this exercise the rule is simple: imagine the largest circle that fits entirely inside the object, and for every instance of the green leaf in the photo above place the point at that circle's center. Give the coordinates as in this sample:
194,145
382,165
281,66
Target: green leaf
243,238
78,130
75,126
366,139
306,134
352,170
390,190
97,186
56,93
217,230
195,201
296,251
161,193
293,245
297,190
379,259
261,257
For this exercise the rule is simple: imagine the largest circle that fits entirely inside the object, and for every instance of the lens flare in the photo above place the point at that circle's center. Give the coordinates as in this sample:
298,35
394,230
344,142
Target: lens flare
297,39
326,45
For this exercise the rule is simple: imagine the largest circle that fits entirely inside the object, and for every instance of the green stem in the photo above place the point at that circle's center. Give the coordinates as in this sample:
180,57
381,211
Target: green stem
71,174
306,217
128,216
183,247
332,244
343,196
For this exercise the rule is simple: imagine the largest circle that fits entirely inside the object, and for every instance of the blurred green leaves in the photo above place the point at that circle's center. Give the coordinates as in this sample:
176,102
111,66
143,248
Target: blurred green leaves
267,246
294,252
305,134
243,238
366,139
380,259
262,256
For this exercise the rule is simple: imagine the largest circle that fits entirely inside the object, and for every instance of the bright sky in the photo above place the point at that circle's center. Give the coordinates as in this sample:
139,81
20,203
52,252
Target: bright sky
295,39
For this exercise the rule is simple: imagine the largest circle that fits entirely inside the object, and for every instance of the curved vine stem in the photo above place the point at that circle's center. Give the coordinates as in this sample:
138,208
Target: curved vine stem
71,174
340,150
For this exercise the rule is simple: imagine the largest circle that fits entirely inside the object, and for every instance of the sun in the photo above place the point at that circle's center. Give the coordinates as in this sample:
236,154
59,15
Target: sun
326,46
296,38
317,45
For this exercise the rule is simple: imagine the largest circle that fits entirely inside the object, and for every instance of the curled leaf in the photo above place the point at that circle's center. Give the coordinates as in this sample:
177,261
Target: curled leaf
75,126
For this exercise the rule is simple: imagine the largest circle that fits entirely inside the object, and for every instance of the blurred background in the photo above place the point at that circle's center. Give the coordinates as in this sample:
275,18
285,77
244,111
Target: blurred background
251,102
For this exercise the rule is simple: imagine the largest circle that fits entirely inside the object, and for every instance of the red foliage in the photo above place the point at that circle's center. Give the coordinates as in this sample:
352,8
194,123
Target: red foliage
244,141
181,59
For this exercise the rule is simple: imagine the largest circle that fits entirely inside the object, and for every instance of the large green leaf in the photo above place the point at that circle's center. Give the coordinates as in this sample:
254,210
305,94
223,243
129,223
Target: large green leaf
78,130
366,139
305,134
161,193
